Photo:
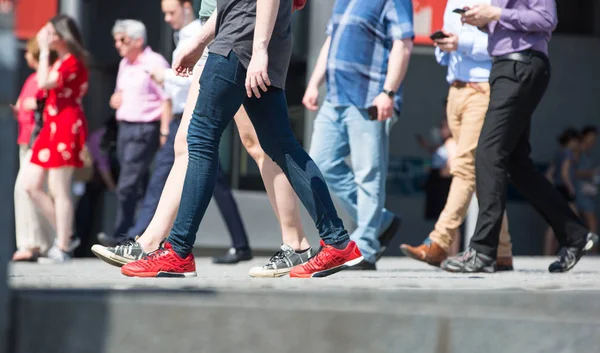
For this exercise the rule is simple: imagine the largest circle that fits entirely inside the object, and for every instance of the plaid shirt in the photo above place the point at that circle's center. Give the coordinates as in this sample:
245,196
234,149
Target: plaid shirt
362,34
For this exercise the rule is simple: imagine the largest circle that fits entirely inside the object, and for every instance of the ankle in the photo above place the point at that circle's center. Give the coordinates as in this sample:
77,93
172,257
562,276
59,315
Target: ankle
299,245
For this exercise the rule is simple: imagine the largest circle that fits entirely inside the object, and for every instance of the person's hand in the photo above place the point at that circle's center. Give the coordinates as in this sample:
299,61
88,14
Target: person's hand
480,15
184,62
158,75
30,104
385,106
116,100
257,78
448,44
311,98
43,38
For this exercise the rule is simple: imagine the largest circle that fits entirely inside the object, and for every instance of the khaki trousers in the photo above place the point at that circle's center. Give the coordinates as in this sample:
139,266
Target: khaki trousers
465,112
32,230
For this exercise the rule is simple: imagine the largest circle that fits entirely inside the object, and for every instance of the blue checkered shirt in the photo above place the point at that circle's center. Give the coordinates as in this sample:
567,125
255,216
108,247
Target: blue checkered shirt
362,34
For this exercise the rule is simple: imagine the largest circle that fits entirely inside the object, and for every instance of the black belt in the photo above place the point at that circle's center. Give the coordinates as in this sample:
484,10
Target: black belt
521,56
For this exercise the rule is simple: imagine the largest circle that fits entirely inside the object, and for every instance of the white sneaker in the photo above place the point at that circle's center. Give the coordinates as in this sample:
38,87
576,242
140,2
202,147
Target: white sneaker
56,255
282,262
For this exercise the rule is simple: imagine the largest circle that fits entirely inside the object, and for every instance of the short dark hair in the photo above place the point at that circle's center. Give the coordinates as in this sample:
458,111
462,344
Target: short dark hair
567,136
589,129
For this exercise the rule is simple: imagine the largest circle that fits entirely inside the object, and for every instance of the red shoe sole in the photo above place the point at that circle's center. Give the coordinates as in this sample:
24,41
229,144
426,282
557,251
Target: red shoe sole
329,271
158,274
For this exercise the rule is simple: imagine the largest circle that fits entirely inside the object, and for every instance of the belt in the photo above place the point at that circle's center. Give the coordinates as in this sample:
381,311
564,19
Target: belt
521,56
474,85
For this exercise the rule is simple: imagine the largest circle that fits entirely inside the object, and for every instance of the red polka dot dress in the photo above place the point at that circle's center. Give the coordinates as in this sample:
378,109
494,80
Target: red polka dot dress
63,135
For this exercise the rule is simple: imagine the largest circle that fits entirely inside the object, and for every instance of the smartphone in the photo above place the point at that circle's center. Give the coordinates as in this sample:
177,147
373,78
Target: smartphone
459,11
372,110
438,35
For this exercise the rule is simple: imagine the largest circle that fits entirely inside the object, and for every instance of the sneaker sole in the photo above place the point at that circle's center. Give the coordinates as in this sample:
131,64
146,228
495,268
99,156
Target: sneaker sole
330,271
108,257
260,273
486,269
160,274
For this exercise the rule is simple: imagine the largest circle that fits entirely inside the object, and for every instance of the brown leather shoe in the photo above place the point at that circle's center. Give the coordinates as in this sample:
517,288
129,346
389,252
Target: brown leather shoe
504,263
430,253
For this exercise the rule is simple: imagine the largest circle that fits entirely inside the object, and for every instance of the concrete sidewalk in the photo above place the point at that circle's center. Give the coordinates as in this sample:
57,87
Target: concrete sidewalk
88,306
393,274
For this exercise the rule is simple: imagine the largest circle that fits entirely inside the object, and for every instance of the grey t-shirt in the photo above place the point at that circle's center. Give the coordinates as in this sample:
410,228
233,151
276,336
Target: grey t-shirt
235,31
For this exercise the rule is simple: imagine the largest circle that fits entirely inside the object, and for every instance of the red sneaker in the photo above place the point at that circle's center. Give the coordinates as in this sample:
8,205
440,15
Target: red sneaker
328,261
163,262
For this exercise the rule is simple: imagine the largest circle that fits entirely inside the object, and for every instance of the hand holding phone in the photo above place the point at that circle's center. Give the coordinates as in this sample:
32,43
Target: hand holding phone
438,35
459,11
372,110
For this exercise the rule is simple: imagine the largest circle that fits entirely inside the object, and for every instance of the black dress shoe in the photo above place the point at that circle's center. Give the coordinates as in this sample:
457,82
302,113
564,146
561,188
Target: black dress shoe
386,237
363,266
569,256
234,256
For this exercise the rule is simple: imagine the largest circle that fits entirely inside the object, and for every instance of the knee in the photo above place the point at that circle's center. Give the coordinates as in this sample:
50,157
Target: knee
32,190
253,147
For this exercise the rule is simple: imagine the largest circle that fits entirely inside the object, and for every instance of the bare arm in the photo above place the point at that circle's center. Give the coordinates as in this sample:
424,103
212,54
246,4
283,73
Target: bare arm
266,14
398,63
564,172
318,76
46,79
166,117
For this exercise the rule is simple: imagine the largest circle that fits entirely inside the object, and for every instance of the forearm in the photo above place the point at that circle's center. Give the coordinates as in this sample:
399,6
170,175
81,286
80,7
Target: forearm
266,14
108,179
564,172
207,34
398,64
166,117
318,76
43,69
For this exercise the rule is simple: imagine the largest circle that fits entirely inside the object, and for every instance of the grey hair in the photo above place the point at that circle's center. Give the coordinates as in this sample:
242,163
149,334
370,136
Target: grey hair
131,28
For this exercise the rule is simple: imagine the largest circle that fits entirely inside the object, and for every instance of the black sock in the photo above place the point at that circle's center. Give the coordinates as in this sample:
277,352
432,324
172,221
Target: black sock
302,251
341,245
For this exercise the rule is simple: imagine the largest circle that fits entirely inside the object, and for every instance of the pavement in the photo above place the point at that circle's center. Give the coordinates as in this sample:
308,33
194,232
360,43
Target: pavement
396,273
405,306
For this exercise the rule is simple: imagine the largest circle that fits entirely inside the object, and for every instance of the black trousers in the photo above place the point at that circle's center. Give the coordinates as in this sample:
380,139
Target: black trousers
503,154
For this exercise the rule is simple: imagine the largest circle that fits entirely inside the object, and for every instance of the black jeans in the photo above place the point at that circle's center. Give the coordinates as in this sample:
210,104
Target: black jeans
137,144
503,153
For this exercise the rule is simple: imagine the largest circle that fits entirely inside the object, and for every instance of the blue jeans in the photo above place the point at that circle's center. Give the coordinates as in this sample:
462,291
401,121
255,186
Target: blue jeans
222,92
340,132
163,162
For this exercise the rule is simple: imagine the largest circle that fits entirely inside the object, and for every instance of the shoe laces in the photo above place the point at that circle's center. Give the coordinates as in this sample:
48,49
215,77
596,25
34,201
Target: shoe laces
126,245
321,259
278,256
161,251
469,255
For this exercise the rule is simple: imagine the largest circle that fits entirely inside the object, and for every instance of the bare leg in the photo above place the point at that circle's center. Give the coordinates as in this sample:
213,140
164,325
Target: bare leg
168,205
281,195
59,182
35,190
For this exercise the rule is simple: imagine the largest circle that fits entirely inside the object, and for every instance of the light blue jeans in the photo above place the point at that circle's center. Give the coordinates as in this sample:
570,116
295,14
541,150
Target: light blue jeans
340,132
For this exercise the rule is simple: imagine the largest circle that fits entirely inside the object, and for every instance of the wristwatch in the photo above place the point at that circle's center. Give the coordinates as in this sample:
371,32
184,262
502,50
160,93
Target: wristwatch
390,93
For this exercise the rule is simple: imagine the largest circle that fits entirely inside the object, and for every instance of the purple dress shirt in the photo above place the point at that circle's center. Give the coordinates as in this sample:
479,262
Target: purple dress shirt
524,24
